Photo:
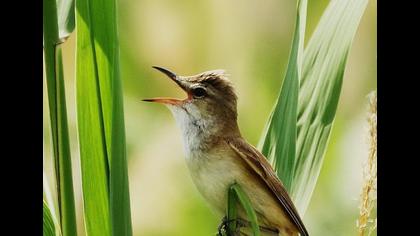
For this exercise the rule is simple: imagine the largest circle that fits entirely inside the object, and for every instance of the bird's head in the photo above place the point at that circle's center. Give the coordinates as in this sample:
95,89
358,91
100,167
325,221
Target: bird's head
210,104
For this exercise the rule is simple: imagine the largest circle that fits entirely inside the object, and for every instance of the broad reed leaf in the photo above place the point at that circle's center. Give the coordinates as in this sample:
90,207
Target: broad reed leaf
296,138
101,120
48,223
320,86
58,117
278,142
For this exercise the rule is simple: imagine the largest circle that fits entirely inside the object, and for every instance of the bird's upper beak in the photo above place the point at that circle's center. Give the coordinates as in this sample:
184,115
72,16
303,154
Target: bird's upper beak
182,84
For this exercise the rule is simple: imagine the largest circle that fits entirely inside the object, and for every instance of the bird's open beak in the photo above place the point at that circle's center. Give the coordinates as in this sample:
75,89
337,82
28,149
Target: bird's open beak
177,80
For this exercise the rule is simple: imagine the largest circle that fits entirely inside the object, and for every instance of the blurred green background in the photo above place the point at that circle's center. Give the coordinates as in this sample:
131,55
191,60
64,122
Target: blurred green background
251,41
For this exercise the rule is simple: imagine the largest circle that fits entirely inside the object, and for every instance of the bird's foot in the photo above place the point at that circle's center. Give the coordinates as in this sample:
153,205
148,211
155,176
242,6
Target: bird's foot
222,230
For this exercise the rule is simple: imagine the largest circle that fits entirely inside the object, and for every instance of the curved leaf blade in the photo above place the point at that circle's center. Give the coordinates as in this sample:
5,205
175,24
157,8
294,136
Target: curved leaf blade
278,143
320,75
48,222
323,69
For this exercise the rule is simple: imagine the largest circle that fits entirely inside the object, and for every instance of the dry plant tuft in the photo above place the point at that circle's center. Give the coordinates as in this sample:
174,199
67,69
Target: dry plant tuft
366,223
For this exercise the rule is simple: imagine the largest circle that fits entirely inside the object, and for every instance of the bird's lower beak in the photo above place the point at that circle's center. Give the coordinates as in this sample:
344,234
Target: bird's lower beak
171,101
180,83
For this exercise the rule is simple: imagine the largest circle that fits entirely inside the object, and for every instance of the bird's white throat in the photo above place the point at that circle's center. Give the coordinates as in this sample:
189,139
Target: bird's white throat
197,130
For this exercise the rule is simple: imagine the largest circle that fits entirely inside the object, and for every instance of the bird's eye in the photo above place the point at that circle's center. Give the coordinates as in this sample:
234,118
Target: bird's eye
199,92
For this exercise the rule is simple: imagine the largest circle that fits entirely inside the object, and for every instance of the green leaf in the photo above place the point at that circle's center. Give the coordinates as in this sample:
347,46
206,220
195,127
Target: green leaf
58,25
65,12
48,223
278,143
231,211
50,30
320,86
296,136
235,191
101,120
58,116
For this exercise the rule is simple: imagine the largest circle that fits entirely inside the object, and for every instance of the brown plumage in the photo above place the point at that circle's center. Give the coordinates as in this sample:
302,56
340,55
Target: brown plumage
263,169
218,156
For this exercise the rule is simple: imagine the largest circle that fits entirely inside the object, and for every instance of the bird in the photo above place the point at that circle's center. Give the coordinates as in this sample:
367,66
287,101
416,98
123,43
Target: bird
218,156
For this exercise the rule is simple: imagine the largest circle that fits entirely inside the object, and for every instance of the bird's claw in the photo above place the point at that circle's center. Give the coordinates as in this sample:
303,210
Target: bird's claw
222,230
222,227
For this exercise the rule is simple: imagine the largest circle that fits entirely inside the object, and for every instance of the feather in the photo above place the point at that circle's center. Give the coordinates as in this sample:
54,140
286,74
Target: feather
263,169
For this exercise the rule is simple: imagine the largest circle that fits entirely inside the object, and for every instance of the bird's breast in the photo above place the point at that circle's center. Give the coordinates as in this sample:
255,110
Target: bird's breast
213,172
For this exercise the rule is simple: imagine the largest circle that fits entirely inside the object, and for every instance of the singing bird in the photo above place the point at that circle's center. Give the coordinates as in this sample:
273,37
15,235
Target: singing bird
217,156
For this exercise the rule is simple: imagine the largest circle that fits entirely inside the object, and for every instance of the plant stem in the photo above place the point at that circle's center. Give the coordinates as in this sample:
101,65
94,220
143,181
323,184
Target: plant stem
58,117
368,196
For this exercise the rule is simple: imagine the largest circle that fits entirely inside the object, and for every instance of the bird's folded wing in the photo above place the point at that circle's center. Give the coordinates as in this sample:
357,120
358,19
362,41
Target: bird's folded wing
262,167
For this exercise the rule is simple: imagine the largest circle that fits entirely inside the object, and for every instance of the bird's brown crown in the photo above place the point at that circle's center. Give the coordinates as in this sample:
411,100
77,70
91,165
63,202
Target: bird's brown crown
218,79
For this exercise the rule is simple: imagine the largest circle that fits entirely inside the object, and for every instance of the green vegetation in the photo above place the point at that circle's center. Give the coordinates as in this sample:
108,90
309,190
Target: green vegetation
49,228
298,130
101,128
101,120
296,135
194,36
235,195
58,119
